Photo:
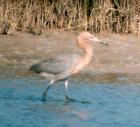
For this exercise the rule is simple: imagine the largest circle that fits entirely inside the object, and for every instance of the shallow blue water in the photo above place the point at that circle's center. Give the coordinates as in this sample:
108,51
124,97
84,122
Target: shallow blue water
109,105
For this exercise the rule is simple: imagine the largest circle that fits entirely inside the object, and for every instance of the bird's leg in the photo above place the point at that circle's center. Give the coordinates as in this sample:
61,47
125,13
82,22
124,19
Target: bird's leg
66,89
46,91
66,93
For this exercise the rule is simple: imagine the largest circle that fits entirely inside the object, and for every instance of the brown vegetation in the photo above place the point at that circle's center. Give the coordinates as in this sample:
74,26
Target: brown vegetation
35,16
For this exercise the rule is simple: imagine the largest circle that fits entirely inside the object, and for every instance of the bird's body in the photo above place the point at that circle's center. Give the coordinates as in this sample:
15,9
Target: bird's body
56,64
62,67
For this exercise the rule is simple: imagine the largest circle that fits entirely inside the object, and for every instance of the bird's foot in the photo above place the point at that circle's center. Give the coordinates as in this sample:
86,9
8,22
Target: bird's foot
44,97
75,100
70,99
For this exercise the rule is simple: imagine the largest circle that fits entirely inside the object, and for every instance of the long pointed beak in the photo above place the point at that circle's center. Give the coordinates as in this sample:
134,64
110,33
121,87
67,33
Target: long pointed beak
97,40
102,42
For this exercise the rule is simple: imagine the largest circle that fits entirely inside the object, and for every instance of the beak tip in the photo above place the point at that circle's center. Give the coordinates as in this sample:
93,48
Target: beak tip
105,43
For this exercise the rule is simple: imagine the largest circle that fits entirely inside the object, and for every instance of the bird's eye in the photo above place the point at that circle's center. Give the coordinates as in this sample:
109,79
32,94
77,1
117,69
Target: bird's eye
91,38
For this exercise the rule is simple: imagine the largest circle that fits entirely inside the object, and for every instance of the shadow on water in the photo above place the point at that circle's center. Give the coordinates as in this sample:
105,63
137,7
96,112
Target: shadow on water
65,101
71,100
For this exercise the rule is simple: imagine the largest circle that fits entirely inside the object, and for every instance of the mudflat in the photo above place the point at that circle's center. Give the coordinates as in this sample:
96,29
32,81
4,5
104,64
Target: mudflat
121,59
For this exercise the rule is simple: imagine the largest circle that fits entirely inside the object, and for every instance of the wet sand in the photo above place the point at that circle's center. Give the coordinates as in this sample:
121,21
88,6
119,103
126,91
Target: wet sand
117,63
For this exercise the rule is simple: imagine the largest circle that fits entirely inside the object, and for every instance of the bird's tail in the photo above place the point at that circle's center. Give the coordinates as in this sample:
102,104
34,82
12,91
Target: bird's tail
34,67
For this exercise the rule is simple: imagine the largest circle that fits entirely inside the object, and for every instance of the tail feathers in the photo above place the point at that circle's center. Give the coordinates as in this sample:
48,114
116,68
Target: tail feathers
35,67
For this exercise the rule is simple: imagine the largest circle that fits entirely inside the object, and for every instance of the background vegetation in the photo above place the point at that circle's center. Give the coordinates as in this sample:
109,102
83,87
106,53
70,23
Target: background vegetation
119,16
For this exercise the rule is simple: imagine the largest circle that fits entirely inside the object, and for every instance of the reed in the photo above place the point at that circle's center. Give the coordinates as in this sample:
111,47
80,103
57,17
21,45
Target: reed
105,16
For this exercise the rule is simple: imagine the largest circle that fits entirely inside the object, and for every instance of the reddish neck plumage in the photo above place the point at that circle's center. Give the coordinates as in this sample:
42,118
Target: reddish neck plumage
88,54
87,48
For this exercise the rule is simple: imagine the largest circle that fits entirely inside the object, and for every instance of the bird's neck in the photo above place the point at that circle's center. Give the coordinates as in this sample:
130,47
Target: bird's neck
88,54
85,60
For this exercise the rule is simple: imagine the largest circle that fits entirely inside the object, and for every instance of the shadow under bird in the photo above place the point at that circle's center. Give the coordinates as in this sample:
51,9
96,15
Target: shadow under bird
62,67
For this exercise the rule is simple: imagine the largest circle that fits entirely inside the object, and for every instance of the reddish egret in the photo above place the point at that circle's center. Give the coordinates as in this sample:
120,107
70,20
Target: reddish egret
62,67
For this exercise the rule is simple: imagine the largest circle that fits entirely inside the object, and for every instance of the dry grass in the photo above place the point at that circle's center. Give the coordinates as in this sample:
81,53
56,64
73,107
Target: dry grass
35,16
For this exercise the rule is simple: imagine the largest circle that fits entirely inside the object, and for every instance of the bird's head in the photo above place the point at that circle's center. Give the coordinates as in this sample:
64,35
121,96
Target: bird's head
85,37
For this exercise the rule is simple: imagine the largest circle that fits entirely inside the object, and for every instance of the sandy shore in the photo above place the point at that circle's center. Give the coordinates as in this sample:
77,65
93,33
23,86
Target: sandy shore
20,50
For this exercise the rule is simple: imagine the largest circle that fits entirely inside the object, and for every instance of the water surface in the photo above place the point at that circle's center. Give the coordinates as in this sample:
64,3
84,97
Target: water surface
109,105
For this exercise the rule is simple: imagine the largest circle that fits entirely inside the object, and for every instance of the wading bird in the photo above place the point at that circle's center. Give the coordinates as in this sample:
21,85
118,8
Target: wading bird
62,67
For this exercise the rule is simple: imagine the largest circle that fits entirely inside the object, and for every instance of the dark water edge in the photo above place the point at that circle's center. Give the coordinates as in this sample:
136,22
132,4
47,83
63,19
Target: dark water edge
15,72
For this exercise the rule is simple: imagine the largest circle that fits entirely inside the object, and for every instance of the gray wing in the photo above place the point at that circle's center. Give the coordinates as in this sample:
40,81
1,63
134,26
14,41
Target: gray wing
56,64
